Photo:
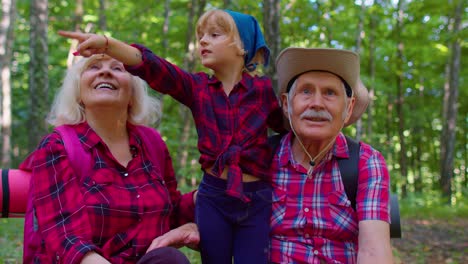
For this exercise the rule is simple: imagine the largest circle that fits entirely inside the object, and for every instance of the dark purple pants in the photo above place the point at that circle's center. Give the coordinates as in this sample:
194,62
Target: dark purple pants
164,255
230,228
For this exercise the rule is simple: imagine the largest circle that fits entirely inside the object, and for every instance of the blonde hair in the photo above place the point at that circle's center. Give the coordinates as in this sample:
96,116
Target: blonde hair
66,108
225,21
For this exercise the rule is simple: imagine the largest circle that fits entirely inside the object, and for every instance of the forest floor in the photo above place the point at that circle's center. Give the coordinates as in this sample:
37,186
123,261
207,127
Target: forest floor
432,241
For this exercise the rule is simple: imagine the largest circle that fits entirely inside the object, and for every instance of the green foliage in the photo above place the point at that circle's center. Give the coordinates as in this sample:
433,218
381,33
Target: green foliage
425,36
430,205
11,239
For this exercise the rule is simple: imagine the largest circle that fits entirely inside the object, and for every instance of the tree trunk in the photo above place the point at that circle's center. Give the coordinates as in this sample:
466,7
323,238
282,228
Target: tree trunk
196,8
165,29
418,143
6,47
38,73
400,98
464,168
450,106
359,34
271,26
102,24
77,24
371,85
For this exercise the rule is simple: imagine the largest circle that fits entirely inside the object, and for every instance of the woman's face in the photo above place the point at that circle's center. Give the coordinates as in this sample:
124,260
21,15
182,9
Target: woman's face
105,83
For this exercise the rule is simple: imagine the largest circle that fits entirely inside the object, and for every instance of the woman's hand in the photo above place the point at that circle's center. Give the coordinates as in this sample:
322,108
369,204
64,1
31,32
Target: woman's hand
185,235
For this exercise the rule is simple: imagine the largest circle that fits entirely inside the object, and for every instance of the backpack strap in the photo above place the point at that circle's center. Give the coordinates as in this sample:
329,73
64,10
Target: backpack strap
349,170
79,158
274,141
5,193
148,137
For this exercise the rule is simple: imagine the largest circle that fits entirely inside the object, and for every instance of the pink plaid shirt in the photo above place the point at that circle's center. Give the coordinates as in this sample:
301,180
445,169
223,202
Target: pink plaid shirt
116,211
312,218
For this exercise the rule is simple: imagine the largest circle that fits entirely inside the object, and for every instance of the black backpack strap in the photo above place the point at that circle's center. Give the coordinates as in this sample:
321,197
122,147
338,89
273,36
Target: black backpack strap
5,193
274,141
349,170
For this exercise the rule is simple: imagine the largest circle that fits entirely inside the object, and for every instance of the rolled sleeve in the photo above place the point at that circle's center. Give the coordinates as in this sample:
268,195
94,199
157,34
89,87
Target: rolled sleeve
373,196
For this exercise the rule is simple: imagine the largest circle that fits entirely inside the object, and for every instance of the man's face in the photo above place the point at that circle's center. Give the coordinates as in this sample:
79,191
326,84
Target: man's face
318,107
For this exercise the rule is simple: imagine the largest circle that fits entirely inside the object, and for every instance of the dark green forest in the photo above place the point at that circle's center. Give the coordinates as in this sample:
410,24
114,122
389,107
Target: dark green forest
413,61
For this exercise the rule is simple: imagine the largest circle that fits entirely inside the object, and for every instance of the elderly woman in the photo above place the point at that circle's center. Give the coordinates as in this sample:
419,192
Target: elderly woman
124,195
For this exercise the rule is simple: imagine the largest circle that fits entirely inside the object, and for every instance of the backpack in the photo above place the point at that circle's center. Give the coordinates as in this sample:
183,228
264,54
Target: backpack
349,170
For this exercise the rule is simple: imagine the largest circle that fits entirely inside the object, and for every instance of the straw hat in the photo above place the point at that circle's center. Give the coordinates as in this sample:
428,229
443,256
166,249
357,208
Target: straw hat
292,62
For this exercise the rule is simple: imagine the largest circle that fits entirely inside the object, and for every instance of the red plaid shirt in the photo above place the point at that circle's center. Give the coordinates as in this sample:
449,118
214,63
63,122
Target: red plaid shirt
232,130
312,218
116,211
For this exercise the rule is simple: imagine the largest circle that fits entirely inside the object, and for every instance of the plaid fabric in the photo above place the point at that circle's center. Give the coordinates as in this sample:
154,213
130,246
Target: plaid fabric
312,218
232,129
116,211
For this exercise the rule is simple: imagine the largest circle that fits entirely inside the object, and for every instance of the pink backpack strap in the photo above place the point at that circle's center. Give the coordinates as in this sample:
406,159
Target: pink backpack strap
152,142
81,162
79,158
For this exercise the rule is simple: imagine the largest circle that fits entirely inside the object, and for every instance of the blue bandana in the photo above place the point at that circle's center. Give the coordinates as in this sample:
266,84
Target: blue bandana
251,36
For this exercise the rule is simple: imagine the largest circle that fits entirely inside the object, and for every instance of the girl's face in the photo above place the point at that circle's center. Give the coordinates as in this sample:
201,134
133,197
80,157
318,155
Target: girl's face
216,47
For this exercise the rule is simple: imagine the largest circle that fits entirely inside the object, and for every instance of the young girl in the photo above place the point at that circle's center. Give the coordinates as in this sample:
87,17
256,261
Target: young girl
232,110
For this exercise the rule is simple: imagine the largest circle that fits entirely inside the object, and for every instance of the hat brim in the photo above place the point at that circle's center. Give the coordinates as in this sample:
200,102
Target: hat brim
292,62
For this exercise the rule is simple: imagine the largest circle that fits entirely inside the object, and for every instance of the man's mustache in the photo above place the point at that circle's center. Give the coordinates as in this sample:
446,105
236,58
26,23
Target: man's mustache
322,114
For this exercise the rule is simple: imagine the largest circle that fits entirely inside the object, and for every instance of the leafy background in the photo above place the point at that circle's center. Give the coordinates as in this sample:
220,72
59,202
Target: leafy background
404,122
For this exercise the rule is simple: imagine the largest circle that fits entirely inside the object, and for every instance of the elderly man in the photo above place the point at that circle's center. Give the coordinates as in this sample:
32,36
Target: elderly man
313,220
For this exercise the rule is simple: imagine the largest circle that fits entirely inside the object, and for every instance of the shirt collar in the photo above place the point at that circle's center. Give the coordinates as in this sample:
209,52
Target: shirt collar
246,82
339,149
89,138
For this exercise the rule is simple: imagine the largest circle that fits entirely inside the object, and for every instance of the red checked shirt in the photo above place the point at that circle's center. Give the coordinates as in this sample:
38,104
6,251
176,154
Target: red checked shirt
232,129
312,218
116,211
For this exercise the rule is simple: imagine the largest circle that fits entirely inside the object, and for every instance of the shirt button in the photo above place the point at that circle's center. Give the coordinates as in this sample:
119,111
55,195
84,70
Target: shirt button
316,252
138,196
306,210
126,174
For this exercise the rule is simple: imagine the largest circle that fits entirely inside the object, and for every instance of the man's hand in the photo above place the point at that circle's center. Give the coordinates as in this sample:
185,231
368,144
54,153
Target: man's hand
185,235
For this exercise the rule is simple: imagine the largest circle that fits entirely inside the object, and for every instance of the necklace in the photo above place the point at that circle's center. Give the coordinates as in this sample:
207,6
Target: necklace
311,160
